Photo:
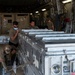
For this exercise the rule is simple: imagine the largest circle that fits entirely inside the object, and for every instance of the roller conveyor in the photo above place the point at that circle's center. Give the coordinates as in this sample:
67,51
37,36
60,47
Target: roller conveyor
58,38
59,48
59,45
56,32
53,35
35,30
58,41
54,40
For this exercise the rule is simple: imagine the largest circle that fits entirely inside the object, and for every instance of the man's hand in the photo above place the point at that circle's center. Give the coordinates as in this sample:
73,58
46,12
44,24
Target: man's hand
13,52
1,60
18,30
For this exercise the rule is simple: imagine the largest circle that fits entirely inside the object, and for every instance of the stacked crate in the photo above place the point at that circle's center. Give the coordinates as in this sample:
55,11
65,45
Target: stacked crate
47,52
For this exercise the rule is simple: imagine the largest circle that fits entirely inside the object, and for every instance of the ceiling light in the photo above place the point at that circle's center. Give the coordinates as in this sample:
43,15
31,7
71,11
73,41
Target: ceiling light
43,9
66,1
37,12
31,14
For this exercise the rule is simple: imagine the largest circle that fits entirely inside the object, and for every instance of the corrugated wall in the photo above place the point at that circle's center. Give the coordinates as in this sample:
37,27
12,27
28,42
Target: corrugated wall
6,20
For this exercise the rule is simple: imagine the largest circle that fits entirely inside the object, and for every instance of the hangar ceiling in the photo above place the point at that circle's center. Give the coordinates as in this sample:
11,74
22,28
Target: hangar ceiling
21,5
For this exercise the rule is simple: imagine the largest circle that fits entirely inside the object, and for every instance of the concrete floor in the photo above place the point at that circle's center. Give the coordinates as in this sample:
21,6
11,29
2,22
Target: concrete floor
19,70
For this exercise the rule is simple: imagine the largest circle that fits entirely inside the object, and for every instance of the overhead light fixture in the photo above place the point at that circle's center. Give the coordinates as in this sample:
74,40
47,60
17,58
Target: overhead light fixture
31,14
43,9
37,12
66,1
